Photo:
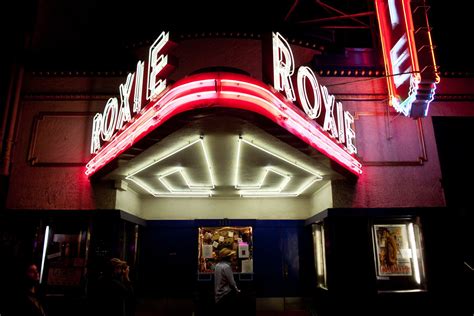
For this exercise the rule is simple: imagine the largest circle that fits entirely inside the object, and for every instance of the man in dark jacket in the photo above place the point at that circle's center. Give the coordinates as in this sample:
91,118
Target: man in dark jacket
225,288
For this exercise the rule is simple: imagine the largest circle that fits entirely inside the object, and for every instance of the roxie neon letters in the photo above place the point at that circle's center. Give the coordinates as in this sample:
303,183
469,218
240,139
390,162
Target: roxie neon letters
320,101
115,116
323,124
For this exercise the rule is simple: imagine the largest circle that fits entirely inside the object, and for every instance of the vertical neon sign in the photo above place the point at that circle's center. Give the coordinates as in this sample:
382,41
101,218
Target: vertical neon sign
408,55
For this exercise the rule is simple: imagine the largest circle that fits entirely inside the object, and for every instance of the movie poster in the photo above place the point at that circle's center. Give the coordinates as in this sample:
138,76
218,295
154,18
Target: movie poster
392,250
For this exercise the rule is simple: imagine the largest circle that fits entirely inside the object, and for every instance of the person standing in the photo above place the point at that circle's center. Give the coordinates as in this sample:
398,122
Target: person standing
29,303
115,292
225,288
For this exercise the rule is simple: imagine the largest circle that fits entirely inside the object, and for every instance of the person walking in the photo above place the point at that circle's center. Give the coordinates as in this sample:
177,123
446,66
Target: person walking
225,288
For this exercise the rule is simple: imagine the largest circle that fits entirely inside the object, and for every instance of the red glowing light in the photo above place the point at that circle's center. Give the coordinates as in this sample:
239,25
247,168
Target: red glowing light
408,55
224,90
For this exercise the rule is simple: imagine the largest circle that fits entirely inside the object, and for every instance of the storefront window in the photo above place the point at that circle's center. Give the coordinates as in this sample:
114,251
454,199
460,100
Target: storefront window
213,239
64,259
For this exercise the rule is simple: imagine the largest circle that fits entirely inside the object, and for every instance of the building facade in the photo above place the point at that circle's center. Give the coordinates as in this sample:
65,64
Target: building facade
317,220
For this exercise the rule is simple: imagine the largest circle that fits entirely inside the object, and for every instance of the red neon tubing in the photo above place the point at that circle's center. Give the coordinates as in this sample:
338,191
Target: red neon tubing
229,90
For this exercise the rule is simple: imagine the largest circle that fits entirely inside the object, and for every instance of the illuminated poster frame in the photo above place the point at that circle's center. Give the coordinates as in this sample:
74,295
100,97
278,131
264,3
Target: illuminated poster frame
399,255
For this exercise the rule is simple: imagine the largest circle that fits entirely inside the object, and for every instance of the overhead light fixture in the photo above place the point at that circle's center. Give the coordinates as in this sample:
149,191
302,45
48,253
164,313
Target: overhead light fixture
45,251
193,190
255,190
414,253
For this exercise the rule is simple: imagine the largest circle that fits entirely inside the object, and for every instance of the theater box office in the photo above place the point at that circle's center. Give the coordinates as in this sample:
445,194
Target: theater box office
201,146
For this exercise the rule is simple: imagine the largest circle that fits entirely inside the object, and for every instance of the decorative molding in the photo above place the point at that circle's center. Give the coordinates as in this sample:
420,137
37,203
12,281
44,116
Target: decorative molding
422,157
67,97
361,97
454,97
36,155
456,74
180,36
350,71
75,73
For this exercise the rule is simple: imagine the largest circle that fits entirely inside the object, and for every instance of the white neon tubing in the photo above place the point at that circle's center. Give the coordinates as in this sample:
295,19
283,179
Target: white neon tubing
120,140
252,188
185,194
329,147
414,252
96,127
155,161
282,71
280,157
263,193
350,134
340,122
272,105
109,118
319,255
329,121
124,115
156,63
310,131
138,94
45,248
237,169
286,178
193,189
164,194
142,185
186,180
236,175
165,183
208,162
314,110
285,181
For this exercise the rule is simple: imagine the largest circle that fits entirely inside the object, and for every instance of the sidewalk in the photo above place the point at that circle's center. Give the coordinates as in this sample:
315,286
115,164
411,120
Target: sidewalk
185,307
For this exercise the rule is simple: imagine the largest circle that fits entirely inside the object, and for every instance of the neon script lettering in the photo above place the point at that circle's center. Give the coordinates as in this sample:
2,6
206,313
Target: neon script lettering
115,116
314,98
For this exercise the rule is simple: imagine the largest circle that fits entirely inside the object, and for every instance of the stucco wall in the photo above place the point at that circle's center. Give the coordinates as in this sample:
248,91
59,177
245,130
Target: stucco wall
321,199
52,144
251,208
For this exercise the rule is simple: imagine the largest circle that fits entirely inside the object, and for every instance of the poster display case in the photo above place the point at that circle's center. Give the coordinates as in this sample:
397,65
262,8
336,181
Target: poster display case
213,239
398,255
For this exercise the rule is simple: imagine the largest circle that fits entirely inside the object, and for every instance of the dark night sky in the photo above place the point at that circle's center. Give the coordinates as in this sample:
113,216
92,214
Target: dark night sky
94,28
452,34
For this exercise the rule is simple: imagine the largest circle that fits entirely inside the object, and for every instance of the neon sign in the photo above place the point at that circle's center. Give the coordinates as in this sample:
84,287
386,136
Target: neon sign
192,190
254,190
115,116
116,129
410,65
319,104
155,182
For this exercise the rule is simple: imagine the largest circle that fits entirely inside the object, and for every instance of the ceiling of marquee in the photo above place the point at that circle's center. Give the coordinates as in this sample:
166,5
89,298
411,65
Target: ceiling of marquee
224,157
